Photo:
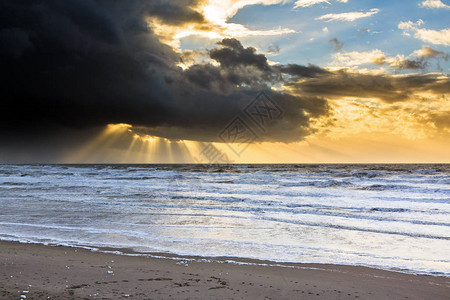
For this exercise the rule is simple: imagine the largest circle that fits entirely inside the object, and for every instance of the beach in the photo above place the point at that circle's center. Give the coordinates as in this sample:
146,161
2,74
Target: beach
38,272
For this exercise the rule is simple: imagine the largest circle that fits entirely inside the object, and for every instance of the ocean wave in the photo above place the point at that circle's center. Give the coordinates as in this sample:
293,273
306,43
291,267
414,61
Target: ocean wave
382,209
379,211
319,184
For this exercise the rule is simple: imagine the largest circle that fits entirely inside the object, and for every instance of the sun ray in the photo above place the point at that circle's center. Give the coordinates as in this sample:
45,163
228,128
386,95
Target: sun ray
90,151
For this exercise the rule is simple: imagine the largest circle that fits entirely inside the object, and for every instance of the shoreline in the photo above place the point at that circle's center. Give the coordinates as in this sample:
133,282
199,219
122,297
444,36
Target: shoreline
223,259
39,271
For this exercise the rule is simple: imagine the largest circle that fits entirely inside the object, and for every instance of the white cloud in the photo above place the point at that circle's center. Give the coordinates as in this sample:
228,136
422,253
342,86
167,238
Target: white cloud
306,3
217,12
355,58
434,4
437,37
441,37
222,10
325,29
410,25
350,16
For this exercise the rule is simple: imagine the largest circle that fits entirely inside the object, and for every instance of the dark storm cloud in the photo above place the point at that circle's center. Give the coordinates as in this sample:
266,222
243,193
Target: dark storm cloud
204,123
233,54
83,64
299,71
14,42
174,12
205,75
239,65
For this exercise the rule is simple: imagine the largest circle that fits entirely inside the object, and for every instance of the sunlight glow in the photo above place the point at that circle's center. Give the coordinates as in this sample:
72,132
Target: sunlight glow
395,137
216,13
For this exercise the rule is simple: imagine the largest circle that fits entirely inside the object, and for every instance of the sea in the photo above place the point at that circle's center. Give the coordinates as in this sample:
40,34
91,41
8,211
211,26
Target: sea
386,216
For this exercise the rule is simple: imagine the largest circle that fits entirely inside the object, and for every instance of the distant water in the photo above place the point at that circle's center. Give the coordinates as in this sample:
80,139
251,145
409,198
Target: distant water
386,216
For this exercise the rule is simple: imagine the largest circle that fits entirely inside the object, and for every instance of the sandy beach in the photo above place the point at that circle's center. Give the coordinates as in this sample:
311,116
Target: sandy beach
41,272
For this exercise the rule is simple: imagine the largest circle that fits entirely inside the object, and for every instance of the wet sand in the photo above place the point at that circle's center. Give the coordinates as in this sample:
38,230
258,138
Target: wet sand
38,271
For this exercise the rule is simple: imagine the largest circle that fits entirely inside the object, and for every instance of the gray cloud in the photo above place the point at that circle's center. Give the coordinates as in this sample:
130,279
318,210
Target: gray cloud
233,54
387,88
411,64
300,71
174,12
419,60
427,53
337,44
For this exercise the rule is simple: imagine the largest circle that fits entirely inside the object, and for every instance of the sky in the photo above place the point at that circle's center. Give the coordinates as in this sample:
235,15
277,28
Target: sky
224,81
